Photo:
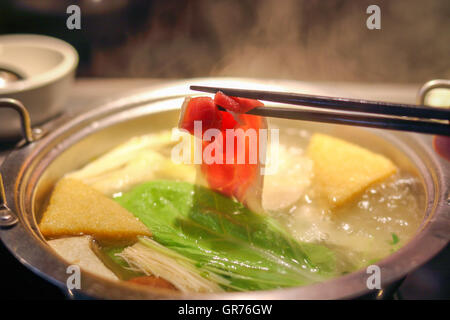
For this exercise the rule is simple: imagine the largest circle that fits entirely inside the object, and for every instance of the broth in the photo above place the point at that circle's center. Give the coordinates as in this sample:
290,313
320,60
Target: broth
373,225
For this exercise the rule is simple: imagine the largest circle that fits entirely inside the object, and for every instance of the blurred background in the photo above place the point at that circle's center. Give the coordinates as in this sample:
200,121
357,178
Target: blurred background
311,40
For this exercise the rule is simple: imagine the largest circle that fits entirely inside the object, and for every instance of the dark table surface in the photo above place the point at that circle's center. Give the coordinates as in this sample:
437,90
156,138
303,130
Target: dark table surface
430,281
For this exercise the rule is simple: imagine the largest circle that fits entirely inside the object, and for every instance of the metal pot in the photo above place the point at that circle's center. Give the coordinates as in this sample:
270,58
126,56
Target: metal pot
33,167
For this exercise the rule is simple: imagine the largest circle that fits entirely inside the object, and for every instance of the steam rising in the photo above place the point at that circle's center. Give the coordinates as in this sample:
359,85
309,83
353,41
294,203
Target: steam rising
292,39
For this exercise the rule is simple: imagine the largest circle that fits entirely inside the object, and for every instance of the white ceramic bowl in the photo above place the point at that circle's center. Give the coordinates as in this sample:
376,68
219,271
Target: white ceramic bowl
48,67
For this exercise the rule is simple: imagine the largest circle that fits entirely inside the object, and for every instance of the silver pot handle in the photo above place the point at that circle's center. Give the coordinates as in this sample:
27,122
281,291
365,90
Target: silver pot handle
430,85
24,116
7,218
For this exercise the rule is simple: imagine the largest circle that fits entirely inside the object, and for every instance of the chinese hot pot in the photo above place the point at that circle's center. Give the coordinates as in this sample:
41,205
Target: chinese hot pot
65,144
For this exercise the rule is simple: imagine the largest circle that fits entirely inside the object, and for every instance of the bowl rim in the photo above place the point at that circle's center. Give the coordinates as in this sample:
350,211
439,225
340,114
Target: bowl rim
38,256
68,63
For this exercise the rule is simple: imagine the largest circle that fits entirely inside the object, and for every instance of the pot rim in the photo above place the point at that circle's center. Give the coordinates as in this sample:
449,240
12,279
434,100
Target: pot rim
34,253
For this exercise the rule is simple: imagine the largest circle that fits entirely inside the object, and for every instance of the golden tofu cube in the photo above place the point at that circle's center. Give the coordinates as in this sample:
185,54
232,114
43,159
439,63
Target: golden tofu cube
78,209
343,170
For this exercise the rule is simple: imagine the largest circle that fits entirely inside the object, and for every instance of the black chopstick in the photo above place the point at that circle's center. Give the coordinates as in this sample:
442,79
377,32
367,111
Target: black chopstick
343,104
365,108
353,120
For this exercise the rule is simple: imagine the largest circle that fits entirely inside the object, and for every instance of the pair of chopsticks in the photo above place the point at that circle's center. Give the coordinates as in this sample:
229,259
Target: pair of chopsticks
373,114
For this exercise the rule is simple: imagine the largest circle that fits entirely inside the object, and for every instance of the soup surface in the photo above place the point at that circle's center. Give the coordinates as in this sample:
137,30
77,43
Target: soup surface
135,215
366,229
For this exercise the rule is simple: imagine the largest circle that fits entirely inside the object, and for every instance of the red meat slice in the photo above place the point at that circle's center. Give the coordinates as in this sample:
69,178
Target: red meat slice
236,104
241,181
200,109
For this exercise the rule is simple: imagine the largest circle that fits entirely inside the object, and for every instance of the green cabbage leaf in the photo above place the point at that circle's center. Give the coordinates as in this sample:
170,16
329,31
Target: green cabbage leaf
222,236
